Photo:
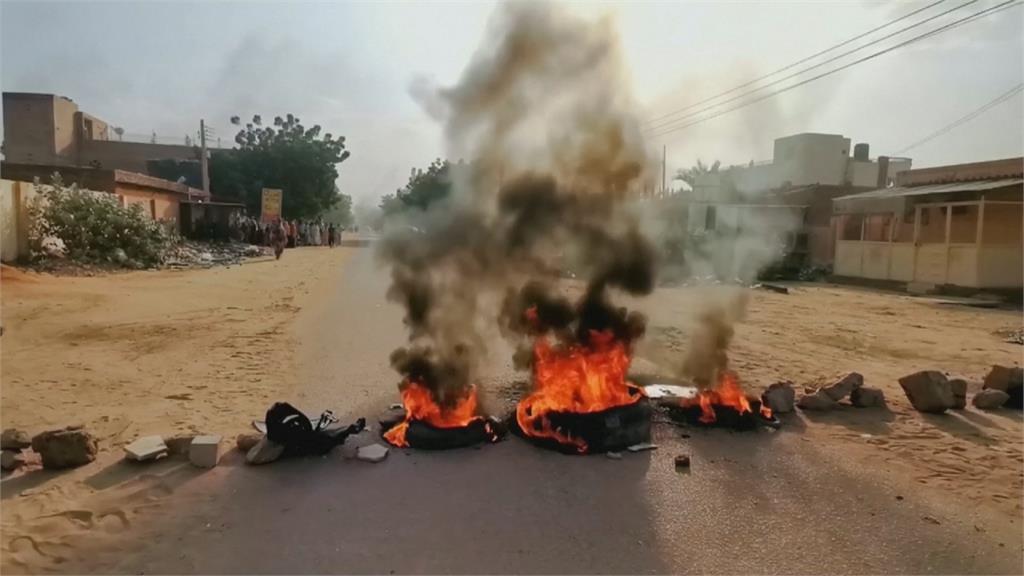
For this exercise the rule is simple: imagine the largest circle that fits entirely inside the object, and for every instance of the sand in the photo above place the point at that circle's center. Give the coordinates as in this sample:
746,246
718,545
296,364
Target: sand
160,352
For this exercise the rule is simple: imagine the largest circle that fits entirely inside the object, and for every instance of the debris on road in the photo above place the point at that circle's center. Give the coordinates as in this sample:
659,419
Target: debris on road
773,287
959,387
178,445
14,439
193,254
867,398
1009,380
844,386
989,399
779,397
642,446
614,455
65,448
264,452
245,442
204,451
819,400
11,460
928,391
146,448
683,462
372,453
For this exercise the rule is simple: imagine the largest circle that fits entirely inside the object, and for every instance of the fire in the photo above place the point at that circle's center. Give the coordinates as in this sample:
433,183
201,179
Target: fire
580,379
727,393
420,405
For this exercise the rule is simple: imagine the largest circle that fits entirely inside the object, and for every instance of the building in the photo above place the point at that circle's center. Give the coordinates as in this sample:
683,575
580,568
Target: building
787,200
50,130
958,225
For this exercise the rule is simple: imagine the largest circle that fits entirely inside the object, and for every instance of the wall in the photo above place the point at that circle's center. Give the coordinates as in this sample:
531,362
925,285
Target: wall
804,159
64,134
131,156
1002,224
158,205
15,198
862,174
28,128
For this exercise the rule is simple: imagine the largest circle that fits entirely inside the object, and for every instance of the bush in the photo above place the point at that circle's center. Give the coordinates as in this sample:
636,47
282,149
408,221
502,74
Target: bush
95,229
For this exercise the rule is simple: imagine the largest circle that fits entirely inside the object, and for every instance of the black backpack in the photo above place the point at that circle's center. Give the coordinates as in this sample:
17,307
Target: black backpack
287,426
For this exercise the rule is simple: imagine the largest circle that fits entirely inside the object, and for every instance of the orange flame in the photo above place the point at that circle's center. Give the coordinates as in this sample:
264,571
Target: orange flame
420,405
727,393
581,379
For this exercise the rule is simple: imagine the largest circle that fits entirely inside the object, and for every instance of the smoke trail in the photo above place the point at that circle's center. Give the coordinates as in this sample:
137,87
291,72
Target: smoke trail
553,148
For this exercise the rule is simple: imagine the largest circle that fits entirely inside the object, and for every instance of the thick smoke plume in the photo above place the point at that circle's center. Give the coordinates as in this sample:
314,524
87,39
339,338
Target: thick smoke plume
552,148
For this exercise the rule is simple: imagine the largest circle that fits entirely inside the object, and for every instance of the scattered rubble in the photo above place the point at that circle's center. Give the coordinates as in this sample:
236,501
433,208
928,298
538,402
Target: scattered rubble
14,439
65,448
178,445
264,452
146,448
989,399
819,400
779,397
245,442
928,391
773,287
844,386
11,459
372,453
683,461
1009,380
867,398
191,254
204,451
959,386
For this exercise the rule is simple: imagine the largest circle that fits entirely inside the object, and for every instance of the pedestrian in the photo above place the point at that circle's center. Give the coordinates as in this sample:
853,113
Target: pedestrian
278,238
330,235
315,239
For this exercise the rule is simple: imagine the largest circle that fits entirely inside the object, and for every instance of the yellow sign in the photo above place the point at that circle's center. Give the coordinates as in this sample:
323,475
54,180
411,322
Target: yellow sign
271,207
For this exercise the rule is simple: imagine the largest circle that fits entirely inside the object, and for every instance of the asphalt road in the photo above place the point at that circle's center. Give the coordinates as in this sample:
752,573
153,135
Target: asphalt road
765,502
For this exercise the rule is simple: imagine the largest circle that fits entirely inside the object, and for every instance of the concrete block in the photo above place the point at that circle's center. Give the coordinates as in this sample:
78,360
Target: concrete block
146,448
204,451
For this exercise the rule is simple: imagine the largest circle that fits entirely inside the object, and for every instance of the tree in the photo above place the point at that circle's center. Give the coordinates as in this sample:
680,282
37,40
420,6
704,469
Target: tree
692,174
425,188
298,160
341,213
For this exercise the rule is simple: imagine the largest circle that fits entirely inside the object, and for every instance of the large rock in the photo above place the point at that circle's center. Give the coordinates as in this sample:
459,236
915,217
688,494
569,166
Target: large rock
65,448
867,398
14,439
819,400
779,397
1009,380
11,459
959,387
245,442
928,391
264,452
989,399
844,386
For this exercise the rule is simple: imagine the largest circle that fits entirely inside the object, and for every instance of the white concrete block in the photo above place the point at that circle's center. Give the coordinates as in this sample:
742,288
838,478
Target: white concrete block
205,451
146,448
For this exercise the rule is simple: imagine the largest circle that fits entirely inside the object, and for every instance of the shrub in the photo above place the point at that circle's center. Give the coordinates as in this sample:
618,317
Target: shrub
94,228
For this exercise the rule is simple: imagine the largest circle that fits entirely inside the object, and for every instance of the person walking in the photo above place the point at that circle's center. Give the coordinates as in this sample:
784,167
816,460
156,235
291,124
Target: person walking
330,235
278,238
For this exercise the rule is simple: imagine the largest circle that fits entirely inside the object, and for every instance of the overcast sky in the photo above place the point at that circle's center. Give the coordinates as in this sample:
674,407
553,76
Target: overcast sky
160,66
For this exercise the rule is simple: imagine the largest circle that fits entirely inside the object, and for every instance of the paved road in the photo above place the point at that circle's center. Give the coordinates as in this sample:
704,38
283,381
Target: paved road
754,503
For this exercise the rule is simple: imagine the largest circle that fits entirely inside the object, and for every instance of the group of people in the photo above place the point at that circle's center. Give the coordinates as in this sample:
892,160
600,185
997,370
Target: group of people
287,233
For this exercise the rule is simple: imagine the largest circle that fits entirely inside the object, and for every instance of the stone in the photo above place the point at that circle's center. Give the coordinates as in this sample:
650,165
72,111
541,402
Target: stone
817,401
683,461
372,453
989,399
779,397
178,445
14,439
11,459
844,386
264,452
928,391
65,448
204,451
959,386
1009,380
146,448
867,398
245,442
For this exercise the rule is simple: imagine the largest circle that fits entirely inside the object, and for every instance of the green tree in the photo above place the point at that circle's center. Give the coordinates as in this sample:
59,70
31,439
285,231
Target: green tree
691,174
425,188
341,213
287,155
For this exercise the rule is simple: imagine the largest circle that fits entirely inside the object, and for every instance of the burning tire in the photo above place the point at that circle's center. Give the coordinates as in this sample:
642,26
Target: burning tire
609,430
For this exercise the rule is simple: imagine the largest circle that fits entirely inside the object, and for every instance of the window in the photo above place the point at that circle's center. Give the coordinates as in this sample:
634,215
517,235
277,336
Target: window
709,218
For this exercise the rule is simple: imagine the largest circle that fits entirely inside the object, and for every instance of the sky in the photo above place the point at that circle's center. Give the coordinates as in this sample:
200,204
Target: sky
151,66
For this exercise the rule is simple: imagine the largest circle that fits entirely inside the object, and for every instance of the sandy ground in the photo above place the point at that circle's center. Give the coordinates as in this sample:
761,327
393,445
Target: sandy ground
209,350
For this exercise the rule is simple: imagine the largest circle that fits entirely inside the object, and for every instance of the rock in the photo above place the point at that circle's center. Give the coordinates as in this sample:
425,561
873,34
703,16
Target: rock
11,459
372,453
264,452
928,391
245,442
642,446
178,445
844,386
959,387
683,461
867,398
204,451
1009,380
146,448
14,439
779,397
989,399
118,255
65,448
817,401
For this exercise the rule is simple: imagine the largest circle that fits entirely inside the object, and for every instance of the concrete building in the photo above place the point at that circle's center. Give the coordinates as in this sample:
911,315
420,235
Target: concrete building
47,129
787,199
958,225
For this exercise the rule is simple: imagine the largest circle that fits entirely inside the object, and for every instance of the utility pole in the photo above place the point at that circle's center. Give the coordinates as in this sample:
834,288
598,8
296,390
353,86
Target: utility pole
663,148
203,160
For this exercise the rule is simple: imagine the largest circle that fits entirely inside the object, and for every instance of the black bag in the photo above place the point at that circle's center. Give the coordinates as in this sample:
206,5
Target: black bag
287,426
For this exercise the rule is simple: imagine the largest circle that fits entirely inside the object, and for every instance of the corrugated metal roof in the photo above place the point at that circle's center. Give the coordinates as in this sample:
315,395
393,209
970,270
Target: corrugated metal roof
900,191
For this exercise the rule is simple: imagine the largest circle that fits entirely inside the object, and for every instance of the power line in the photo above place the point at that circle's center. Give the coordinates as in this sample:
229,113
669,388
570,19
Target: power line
956,23
1004,97
797,63
684,117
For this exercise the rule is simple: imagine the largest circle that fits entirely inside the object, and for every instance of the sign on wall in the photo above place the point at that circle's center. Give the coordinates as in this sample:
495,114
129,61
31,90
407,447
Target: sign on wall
271,206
